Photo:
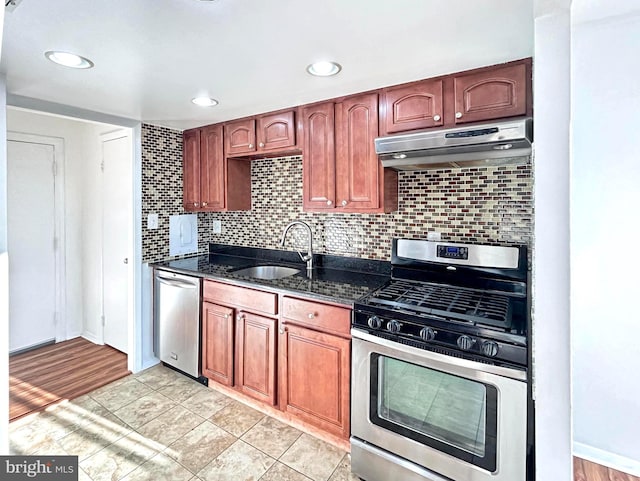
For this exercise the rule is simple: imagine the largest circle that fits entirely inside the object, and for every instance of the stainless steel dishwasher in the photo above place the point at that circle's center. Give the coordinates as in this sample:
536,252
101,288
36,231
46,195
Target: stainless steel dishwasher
176,321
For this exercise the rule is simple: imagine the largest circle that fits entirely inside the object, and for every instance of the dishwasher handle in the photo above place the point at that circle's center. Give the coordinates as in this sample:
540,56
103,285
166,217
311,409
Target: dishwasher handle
176,283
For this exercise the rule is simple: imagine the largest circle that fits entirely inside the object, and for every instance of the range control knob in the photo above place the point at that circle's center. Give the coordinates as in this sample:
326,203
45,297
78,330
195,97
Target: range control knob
489,348
393,326
465,342
374,322
427,334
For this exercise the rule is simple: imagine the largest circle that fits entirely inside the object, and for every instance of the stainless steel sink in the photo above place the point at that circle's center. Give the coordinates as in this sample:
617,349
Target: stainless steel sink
267,272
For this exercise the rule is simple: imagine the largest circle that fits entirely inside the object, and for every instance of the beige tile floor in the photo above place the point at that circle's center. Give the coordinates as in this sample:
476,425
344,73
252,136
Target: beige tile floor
159,425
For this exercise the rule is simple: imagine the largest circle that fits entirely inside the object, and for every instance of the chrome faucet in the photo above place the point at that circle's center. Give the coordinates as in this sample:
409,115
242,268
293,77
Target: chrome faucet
309,257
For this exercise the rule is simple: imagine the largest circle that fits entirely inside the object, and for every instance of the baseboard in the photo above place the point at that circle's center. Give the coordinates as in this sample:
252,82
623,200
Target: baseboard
90,337
605,458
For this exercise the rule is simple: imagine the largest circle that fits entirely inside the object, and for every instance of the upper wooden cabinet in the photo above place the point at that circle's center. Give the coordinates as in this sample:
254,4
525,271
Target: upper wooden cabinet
276,131
240,137
191,170
360,177
212,169
319,159
478,95
492,93
207,175
263,134
411,107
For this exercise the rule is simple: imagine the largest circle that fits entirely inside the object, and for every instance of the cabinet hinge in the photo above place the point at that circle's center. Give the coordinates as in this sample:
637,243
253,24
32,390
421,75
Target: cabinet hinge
102,165
103,320
55,318
54,168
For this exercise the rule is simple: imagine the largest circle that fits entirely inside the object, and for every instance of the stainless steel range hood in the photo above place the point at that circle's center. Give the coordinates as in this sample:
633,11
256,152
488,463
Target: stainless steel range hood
498,143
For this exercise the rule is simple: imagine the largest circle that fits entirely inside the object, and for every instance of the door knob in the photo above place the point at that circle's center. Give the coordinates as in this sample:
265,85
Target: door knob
436,117
126,260
458,115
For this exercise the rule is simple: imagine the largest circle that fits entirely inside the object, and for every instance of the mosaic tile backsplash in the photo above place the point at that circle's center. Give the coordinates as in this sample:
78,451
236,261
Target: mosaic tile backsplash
492,205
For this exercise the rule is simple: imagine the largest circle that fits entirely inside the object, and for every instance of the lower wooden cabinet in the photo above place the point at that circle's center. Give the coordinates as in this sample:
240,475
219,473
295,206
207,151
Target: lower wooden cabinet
304,369
315,378
217,343
256,356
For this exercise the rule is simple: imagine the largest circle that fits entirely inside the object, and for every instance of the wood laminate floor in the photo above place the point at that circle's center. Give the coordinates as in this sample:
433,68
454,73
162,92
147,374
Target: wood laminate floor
584,470
60,371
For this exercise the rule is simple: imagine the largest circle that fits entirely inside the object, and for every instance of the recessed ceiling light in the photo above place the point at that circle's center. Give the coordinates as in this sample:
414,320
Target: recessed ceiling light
204,101
324,68
68,59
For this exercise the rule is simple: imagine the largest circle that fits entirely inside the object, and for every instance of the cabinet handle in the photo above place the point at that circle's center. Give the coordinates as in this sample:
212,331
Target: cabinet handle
251,146
344,202
241,317
195,204
204,204
436,118
329,202
226,316
261,144
311,315
458,115
282,329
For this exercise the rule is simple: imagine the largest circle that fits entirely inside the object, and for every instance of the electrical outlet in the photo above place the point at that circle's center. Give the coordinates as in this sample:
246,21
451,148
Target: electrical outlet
216,226
434,236
152,221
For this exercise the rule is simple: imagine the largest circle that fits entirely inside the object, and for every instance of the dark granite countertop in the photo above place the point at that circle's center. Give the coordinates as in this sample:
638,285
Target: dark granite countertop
334,278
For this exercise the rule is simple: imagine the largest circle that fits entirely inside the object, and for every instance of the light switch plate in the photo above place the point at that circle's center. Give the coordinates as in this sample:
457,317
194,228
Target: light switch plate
152,221
183,234
434,236
216,226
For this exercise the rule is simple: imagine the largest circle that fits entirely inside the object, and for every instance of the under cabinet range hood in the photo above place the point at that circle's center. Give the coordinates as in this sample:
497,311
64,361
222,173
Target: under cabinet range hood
498,143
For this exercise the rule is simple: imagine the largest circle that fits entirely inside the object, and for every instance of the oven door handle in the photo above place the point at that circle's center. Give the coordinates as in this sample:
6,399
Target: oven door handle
441,358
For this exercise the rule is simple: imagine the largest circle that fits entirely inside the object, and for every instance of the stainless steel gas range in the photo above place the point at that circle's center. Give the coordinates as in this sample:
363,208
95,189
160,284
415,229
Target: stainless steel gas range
440,367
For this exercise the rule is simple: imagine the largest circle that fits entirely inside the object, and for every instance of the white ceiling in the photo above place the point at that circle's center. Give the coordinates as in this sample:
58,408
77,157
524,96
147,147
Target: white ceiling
152,56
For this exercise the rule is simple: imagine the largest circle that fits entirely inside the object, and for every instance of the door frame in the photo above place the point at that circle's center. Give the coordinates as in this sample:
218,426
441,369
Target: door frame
59,223
106,137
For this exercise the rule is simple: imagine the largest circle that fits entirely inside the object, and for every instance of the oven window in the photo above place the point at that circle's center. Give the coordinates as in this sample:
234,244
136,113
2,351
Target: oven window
447,412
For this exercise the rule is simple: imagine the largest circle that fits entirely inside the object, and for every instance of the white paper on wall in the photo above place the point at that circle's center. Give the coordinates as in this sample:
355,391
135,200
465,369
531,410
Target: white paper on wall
183,234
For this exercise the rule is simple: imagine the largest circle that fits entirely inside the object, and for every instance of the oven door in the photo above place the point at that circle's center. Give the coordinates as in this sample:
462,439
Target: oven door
459,418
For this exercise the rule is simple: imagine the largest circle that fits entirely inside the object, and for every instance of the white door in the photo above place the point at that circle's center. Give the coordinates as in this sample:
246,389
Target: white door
31,213
117,238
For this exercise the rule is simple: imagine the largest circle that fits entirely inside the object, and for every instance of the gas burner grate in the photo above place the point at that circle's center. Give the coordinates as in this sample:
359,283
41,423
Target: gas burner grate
459,303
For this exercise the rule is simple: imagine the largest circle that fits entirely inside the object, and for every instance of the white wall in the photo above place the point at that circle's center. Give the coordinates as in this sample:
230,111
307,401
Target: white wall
4,272
551,334
605,225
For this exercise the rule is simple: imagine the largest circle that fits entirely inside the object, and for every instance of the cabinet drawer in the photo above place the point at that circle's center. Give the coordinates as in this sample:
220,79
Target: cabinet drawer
321,317
250,299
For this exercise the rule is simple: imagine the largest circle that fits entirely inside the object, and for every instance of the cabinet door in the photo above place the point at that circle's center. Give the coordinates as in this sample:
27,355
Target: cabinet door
191,170
276,131
217,343
319,158
240,137
212,168
318,396
410,107
358,169
256,356
487,95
